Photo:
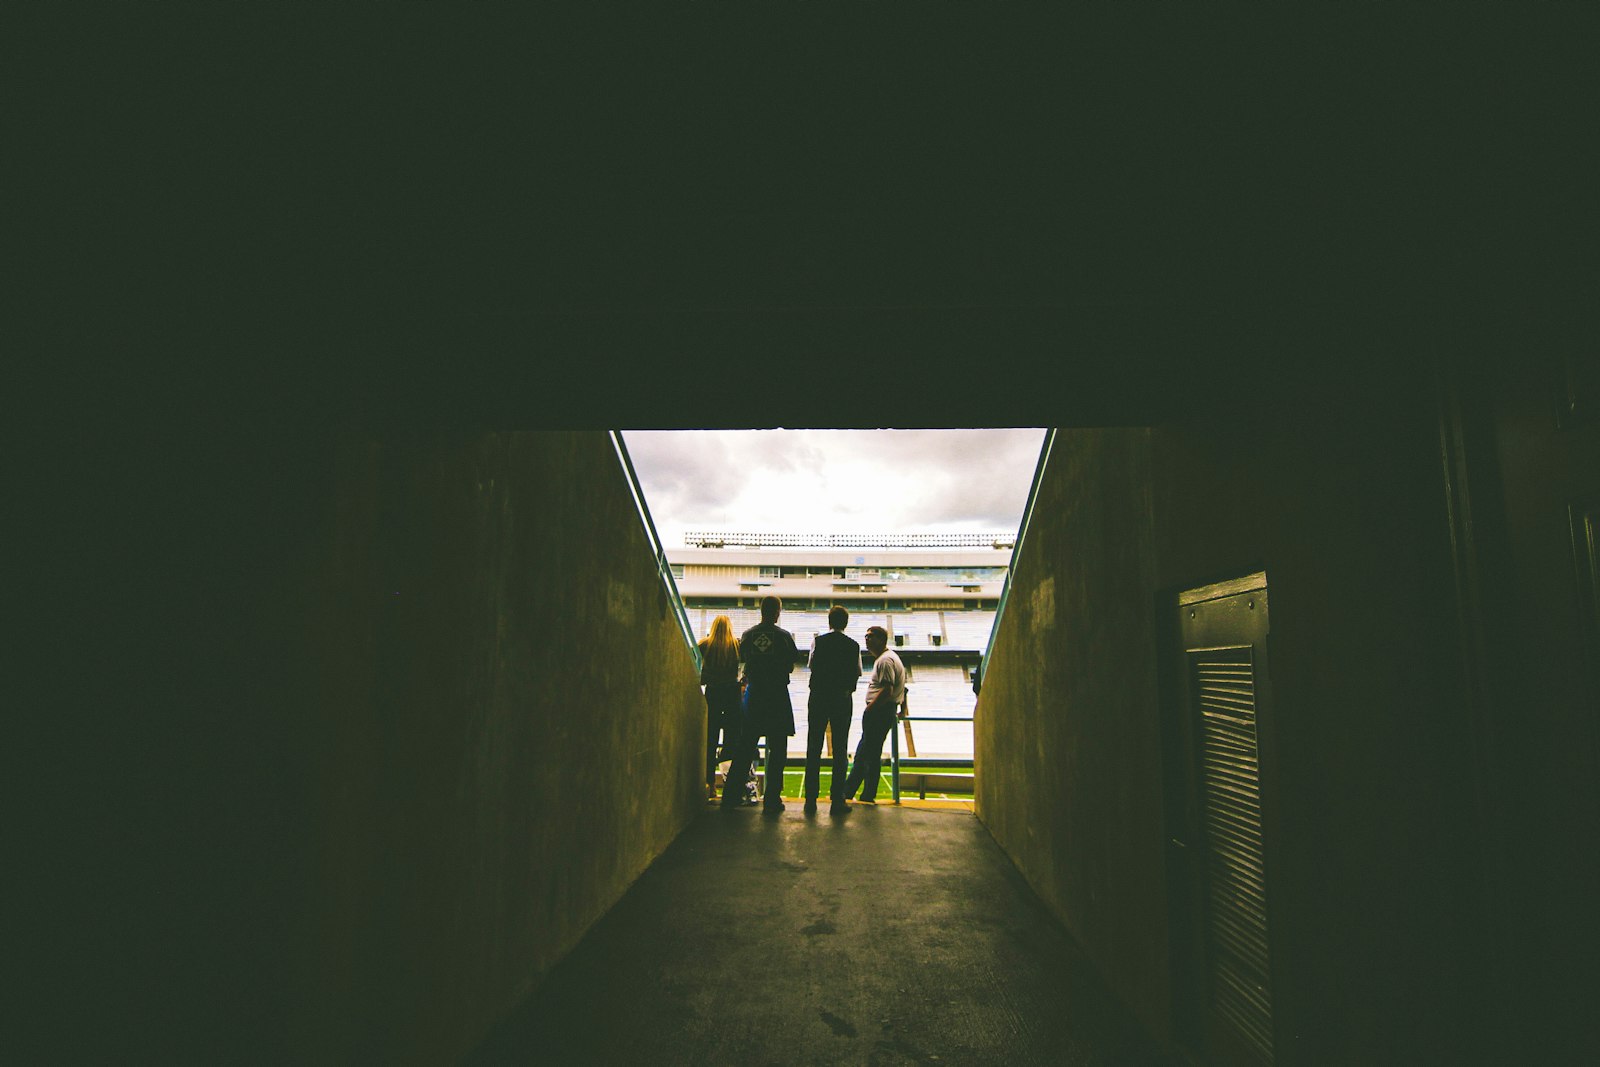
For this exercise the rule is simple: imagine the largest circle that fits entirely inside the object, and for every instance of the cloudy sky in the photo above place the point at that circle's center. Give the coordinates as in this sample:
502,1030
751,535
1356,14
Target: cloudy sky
834,481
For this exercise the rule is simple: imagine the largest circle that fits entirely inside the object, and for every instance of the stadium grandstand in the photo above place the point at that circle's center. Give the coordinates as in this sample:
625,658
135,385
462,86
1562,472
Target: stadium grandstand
935,594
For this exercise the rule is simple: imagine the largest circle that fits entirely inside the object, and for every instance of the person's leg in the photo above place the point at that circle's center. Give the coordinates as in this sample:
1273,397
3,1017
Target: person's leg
852,782
713,727
816,731
726,710
869,756
841,746
772,796
738,746
743,757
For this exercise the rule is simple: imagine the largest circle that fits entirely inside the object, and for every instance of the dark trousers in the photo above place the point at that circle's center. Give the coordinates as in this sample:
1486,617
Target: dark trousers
875,727
744,757
722,715
824,710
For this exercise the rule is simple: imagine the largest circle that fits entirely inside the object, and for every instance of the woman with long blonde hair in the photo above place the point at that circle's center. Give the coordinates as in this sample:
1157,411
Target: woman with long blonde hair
719,673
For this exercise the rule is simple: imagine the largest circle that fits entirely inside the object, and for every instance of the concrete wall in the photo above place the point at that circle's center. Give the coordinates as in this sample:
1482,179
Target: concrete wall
409,712
510,730
1066,745
1369,854
1533,608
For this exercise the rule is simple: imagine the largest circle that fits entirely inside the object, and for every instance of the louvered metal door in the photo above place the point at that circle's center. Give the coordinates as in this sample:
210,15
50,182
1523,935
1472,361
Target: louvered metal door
1223,630
1223,683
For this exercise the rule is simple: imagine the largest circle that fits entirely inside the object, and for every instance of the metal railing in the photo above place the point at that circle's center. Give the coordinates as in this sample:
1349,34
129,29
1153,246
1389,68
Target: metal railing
663,568
1016,553
894,747
895,762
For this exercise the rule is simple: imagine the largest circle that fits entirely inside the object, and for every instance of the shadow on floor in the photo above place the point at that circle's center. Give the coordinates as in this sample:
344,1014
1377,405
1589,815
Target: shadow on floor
887,936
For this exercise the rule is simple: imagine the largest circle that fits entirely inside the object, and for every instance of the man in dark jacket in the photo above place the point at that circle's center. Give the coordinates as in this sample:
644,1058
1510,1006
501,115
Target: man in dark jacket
835,671
769,656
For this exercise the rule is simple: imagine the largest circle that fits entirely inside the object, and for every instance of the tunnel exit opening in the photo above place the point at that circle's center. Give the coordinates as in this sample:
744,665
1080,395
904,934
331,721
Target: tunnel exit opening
914,532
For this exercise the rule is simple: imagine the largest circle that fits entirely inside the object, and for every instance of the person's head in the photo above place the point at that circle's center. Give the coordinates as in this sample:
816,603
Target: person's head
720,644
837,617
877,639
771,608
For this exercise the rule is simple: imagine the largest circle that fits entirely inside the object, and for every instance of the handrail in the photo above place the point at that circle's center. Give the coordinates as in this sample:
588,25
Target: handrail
663,568
894,748
895,761
1016,552
904,715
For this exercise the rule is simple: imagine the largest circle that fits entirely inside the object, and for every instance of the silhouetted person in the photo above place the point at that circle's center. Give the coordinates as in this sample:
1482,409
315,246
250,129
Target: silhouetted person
719,673
769,655
885,691
835,670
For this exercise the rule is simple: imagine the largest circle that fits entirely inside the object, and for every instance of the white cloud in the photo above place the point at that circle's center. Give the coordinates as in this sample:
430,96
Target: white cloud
834,481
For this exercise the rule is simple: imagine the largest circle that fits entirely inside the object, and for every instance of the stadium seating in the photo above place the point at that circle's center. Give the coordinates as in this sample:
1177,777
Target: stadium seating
968,629
917,628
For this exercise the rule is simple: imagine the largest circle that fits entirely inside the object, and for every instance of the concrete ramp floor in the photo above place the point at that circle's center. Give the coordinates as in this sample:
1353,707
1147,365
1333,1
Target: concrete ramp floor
886,936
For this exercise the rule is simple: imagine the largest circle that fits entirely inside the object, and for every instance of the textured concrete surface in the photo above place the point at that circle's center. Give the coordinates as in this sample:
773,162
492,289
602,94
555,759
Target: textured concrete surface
495,644
1363,759
1066,745
885,936
434,717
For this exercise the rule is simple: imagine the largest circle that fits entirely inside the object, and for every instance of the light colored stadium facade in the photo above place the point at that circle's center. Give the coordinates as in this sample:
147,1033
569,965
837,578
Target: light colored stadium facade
936,595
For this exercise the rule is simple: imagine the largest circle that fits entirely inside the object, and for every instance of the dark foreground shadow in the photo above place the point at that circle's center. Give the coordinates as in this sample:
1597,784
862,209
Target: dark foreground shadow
886,936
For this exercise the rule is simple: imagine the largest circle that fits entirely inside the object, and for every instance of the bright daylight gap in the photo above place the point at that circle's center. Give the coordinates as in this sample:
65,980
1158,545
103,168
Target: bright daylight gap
911,530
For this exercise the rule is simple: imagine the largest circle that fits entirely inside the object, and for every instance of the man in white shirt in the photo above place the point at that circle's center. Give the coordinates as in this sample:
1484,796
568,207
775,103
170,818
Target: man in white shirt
885,692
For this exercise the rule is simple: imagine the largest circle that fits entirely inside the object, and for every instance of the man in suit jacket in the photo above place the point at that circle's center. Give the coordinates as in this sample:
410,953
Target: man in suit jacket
835,671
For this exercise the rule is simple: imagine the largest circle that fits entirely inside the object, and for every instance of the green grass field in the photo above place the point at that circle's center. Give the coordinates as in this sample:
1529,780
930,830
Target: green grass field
794,780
